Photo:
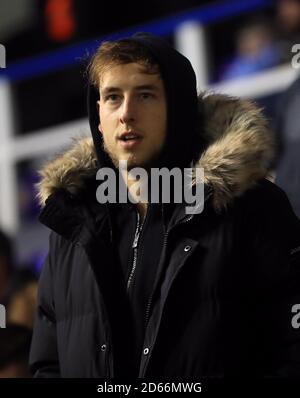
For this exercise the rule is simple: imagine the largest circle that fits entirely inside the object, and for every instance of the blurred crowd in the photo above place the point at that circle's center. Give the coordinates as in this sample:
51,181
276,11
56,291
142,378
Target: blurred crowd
18,291
265,41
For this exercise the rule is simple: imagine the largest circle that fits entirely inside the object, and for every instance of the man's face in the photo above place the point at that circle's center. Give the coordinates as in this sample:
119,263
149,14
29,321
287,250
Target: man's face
133,114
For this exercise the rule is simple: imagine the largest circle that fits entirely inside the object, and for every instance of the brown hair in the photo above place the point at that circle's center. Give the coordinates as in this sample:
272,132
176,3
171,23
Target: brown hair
117,53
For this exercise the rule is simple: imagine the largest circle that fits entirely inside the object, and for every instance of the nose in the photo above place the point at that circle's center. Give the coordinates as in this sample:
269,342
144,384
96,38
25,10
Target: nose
127,111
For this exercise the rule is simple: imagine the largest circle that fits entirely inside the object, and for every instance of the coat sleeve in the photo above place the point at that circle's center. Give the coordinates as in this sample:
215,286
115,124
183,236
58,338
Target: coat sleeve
44,361
274,253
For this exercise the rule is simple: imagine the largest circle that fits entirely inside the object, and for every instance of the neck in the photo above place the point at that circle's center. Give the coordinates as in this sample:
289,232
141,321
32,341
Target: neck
136,188
142,209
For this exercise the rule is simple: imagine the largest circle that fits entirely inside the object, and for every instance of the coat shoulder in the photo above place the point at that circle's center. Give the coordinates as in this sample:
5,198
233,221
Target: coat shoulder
266,197
266,209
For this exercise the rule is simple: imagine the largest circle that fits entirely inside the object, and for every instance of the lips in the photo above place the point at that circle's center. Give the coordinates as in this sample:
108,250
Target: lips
130,140
129,135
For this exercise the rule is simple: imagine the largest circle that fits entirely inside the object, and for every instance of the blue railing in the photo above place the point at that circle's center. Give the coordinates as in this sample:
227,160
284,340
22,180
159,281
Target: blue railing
77,53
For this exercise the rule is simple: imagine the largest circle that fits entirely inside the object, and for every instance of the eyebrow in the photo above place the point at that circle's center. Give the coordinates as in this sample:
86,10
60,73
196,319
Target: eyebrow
111,89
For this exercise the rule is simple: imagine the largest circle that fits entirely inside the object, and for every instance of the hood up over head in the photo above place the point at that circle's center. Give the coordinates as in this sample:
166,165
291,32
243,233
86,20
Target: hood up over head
181,92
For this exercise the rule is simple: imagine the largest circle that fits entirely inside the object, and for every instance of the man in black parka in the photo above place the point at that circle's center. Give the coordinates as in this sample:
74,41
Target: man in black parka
145,289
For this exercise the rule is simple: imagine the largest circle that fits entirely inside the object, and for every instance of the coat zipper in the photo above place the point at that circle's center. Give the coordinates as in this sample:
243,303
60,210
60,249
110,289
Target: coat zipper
164,248
135,248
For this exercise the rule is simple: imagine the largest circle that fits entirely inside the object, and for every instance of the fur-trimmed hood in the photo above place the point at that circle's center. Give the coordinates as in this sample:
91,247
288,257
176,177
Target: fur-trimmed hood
239,150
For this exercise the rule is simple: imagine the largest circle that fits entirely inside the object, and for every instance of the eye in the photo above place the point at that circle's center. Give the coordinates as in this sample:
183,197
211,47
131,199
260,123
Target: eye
146,95
112,98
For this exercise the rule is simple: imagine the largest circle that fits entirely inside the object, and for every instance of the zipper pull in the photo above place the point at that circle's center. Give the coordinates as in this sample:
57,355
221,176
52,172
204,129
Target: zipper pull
135,241
137,232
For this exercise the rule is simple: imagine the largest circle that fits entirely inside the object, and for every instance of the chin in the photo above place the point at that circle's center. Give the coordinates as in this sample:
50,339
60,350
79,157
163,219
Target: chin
137,161
134,161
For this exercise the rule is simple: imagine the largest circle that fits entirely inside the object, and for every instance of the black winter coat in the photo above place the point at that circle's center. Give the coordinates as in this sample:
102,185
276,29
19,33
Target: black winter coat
228,277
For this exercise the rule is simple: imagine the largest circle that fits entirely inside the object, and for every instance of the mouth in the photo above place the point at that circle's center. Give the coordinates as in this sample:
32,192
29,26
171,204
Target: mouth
130,140
129,135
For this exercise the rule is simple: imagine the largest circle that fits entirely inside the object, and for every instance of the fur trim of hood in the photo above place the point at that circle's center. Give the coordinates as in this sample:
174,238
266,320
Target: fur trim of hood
239,152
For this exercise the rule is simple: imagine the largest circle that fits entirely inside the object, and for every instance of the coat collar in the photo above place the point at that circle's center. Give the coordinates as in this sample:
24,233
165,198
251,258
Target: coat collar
239,150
